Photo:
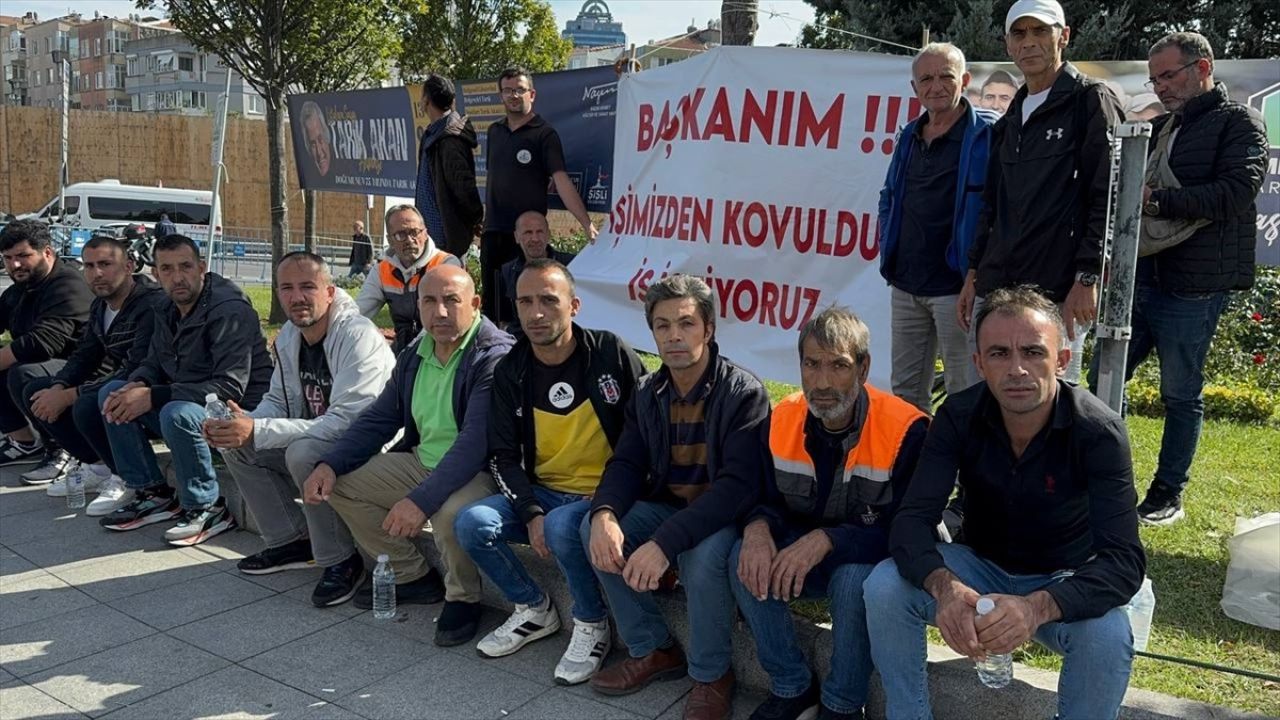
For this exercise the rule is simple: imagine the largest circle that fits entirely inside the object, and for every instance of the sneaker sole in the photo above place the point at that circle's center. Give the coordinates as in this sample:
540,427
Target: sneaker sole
547,631
563,681
217,529
296,565
355,588
28,481
152,519
674,673
104,510
1166,521
22,461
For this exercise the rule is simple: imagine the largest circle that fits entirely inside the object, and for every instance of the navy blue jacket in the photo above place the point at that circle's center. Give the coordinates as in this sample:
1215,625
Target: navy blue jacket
392,412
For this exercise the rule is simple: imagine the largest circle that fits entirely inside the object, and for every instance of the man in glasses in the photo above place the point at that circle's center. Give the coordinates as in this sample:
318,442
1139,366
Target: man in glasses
524,157
393,281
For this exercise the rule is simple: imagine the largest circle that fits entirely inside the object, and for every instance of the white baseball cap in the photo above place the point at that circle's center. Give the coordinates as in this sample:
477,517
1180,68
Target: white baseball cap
1047,11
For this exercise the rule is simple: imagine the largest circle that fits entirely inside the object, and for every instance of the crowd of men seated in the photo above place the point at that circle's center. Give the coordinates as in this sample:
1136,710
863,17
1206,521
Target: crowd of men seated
554,436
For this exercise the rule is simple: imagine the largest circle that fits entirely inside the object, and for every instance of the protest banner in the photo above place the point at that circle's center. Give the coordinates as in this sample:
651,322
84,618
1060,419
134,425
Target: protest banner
361,141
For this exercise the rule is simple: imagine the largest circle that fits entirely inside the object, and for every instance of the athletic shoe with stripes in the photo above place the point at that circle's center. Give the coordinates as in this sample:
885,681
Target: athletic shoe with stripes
587,650
526,624
149,506
196,526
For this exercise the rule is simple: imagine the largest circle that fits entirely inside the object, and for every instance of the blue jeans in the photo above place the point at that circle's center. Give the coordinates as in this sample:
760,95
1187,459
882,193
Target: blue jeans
178,422
704,574
1097,653
845,689
484,529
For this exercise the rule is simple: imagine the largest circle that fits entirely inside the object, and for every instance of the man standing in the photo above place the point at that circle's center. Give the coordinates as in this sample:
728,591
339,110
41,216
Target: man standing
533,235
207,340
929,210
524,153
165,227
361,259
998,91
687,468
1208,160
393,280
558,400
1050,528
114,344
446,192
1050,180
843,453
437,402
331,363
43,312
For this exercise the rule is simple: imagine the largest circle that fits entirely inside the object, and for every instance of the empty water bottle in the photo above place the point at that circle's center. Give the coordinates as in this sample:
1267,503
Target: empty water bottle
997,670
1140,609
215,409
384,590
75,487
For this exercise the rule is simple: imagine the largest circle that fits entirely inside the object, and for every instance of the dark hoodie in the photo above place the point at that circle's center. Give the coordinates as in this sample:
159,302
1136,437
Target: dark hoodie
217,348
44,317
452,164
113,354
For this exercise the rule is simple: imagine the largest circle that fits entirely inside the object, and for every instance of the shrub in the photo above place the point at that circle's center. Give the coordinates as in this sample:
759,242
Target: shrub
1237,403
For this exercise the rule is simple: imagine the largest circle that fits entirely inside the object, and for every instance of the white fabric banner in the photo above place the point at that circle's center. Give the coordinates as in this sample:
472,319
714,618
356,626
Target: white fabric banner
759,170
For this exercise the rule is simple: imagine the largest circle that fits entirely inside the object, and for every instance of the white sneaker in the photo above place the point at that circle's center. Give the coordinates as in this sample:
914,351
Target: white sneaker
112,496
587,650
526,624
92,480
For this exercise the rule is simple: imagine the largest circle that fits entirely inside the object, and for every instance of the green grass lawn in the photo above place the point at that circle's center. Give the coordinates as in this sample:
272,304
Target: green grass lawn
1235,474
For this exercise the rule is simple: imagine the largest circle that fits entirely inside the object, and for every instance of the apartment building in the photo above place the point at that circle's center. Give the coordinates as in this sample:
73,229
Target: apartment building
13,57
166,73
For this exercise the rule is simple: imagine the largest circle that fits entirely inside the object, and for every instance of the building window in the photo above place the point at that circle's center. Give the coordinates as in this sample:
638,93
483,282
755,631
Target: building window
47,49
133,65
48,76
136,102
97,47
119,72
98,85
186,64
255,105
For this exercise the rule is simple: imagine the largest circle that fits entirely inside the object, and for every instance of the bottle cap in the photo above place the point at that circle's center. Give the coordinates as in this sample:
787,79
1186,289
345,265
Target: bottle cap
986,605
383,558
210,397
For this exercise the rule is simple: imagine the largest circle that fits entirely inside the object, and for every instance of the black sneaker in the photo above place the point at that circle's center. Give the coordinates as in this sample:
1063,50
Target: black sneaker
13,452
52,467
827,713
194,526
294,556
340,582
152,505
794,708
457,624
426,590
1161,506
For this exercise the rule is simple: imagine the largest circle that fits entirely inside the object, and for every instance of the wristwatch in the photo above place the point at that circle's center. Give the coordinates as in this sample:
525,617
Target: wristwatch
1087,279
1151,208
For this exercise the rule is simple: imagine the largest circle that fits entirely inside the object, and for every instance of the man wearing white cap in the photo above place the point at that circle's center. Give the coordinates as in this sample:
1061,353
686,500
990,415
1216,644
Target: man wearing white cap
1049,180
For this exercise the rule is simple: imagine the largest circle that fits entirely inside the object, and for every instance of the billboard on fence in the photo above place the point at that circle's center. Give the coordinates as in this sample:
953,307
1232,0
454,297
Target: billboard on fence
360,141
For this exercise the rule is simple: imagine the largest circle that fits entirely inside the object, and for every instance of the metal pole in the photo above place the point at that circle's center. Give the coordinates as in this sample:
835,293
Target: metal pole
64,67
219,141
1114,329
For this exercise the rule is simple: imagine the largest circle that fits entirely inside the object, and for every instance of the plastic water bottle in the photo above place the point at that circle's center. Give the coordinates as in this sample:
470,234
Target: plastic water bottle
1140,609
215,409
75,488
384,590
997,670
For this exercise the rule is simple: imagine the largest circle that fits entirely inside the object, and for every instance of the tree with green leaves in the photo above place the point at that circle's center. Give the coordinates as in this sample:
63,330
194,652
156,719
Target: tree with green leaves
465,39
283,46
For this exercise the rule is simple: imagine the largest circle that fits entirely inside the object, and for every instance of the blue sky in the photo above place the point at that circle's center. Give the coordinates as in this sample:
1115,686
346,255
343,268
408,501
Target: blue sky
642,20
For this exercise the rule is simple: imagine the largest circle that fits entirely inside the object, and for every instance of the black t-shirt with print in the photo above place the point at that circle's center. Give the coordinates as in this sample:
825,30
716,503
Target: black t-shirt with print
317,382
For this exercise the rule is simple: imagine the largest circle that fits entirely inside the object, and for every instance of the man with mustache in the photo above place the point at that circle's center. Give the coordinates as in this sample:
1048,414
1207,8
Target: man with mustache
437,405
115,342
331,363
843,453
207,340
688,466
533,235
43,312
1051,533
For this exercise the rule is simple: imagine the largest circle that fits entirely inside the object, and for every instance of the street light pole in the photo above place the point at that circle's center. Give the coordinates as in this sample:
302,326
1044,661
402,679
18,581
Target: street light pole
64,68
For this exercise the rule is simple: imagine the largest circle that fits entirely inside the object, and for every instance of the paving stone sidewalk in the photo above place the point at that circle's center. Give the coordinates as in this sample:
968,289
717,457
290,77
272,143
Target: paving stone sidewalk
120,625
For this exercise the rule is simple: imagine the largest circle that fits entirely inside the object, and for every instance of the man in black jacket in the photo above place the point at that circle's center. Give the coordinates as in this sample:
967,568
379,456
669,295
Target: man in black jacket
360,262
687,468
43,312
1051,533
1049,181
207,341
446,192
115,342
533,235
555,415
1218,154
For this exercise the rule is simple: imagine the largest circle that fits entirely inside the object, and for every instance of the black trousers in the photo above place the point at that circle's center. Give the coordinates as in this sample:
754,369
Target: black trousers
13,404
80,429
496,249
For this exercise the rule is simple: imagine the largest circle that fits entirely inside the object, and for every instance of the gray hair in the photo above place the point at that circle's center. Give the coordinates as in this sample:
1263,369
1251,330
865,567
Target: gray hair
952,53
839,330
386,220
1011,301
1192,45
311,109
679,287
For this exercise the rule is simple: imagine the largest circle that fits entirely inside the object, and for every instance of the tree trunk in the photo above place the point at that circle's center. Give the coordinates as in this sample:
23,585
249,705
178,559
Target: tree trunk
309,221
279,211
738,22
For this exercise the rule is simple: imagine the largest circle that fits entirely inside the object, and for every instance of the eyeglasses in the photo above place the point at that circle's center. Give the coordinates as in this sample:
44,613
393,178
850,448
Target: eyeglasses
1164,77
407,235
514,92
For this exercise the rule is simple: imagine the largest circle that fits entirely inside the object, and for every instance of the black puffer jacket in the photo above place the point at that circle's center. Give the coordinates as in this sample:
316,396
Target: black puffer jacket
113,354
1220,158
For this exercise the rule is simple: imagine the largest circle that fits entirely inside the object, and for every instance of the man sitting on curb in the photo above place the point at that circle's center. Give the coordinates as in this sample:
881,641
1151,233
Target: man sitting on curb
438,396
207,340
1050,524
533,235
688,467
331,363
115,342
843,452
557,409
